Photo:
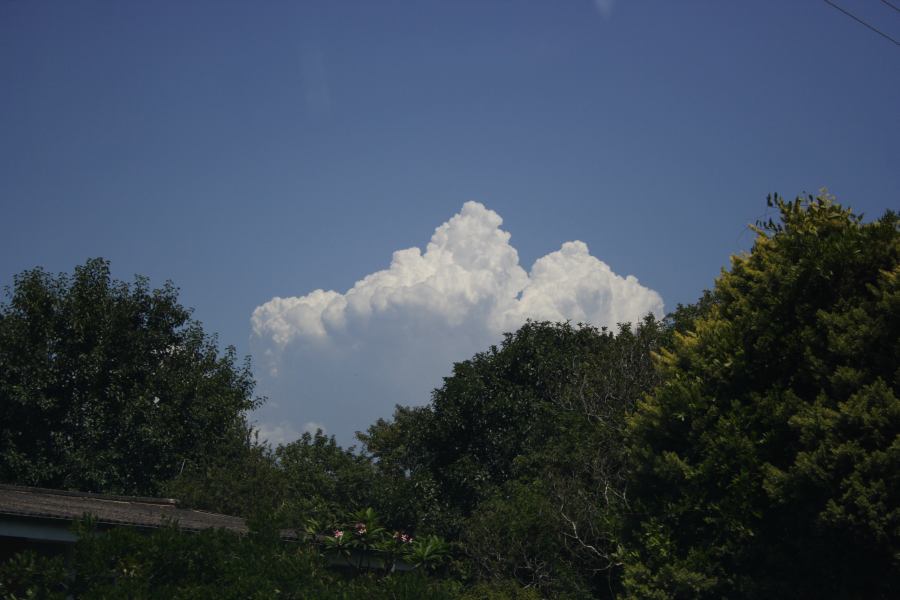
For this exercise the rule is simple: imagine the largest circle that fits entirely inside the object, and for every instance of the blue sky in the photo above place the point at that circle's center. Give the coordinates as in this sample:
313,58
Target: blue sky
252,150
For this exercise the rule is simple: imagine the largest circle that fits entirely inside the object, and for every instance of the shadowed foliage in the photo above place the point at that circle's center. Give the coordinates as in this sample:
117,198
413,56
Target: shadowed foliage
768,462
110,386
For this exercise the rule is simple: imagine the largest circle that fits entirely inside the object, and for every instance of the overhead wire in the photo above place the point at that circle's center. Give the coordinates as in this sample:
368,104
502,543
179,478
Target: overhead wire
860,21
894,6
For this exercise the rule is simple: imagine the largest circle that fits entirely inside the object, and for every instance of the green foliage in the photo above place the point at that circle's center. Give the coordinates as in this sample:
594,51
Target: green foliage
519,457
168,563
403,489
110,386
242,479
363,543
310,478
428,552
323,479
515,533
360,542
766,464
28,575
685,316
500,590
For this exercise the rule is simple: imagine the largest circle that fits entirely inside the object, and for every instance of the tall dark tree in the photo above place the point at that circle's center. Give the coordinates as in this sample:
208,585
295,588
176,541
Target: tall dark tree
767,464
520,454
494,409
111,386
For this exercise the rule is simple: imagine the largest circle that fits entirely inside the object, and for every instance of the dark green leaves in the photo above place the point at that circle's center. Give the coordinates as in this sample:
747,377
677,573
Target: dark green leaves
766,464
110,386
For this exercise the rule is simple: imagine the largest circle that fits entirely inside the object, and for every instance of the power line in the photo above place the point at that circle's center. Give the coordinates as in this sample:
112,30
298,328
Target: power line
858,20
894,6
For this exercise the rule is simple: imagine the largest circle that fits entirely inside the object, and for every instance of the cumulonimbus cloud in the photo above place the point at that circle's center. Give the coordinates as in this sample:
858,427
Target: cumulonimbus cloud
334,356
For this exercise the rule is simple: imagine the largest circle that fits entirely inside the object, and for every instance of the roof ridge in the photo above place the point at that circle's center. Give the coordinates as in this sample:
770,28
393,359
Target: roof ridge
95,495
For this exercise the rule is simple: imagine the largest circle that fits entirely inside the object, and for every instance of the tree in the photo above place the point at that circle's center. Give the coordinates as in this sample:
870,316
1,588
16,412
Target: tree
520,454
110,386
767,464
491,411
310,478
323,479
242,479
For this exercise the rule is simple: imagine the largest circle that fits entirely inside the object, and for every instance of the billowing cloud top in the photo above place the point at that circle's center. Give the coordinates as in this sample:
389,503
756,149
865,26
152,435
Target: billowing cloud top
400,329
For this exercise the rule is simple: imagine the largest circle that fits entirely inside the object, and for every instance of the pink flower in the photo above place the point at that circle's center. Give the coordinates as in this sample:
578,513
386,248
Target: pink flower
360,528
402,537
338,534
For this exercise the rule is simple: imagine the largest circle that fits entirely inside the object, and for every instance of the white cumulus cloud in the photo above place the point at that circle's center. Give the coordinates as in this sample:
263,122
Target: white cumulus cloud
345,359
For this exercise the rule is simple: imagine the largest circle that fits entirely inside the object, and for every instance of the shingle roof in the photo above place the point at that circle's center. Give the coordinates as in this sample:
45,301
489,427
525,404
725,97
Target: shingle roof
113,510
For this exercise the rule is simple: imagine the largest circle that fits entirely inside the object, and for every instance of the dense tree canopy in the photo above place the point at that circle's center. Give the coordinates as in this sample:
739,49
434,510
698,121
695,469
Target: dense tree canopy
110,386
520,453
311,477
768,462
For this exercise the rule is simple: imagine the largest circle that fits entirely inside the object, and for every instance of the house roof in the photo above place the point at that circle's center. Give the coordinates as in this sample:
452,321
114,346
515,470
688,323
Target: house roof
45,503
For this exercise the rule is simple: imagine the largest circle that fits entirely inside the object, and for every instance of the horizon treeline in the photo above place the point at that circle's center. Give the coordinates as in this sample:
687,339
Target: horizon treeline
746,446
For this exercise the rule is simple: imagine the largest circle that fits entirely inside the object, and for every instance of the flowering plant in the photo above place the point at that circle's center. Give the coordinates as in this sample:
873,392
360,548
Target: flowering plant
403,538
334,543
363,543
428,553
